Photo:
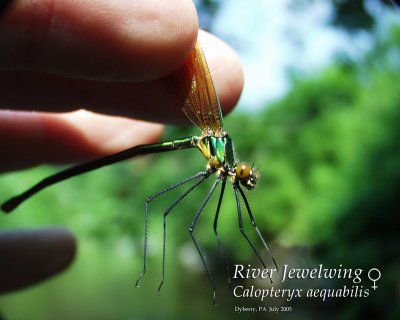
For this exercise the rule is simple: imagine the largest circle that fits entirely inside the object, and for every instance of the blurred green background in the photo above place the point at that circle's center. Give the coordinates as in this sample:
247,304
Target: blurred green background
329,157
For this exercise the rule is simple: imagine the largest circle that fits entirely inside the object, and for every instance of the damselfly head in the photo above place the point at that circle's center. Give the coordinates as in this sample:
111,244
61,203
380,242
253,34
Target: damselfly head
247,175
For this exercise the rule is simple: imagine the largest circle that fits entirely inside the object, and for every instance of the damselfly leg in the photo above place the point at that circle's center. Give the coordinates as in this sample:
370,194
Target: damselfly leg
253,223
221,249
241,227
203,174
191,229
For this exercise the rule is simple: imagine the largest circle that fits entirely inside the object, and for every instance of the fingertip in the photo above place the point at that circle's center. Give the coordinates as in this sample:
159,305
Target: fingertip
62,247
55,251
31,256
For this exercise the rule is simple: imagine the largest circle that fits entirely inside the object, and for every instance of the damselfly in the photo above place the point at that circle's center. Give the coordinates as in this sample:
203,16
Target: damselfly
192,85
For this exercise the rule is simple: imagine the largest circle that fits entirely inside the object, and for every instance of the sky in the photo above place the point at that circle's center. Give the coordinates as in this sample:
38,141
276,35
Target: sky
272,38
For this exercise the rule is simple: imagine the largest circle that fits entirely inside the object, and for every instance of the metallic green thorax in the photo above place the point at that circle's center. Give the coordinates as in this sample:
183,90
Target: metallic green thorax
219,148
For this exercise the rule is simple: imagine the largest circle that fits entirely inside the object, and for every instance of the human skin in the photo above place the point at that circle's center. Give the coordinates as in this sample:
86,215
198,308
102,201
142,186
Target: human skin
109,58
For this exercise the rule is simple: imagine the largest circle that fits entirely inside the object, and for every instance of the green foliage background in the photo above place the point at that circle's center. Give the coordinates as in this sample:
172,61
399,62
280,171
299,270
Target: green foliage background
329,158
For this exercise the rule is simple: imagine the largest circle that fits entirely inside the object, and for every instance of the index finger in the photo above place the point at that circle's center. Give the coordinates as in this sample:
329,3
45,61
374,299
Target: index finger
122,40
148,101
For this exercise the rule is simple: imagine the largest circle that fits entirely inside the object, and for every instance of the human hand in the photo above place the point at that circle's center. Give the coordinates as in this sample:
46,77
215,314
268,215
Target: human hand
108,57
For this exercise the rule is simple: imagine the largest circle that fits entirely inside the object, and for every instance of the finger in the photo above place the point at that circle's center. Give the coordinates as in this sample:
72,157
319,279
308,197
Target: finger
31,256
148,101
30,138
102,40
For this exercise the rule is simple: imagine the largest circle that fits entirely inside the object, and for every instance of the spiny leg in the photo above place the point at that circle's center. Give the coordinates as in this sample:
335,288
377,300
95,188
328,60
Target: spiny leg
191,228
166,213
221,195
253,222
235,189
148,200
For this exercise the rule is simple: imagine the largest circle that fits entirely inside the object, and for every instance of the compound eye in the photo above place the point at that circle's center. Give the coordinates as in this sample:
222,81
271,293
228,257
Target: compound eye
243,171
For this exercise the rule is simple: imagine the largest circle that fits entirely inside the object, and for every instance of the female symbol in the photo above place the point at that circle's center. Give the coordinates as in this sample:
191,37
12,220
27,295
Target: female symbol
374,279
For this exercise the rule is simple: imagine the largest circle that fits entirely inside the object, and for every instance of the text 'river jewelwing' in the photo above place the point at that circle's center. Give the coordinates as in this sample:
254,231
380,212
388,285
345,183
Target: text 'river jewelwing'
192,84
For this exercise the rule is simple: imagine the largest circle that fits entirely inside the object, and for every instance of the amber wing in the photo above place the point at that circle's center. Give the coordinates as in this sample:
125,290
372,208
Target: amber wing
192,86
